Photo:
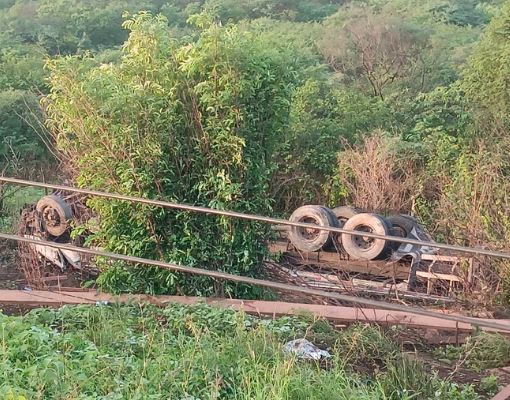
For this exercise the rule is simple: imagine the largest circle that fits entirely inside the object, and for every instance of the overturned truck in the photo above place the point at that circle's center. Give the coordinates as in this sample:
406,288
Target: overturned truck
51,219
319,257
340,261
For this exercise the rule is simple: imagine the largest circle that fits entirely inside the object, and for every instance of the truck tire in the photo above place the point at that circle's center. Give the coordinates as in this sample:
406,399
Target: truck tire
402,224
402,227
343,213
55,214
359,247
309,239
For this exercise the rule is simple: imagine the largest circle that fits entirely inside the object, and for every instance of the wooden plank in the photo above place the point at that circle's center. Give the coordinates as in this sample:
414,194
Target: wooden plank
446,259
436,257
503,395
380,269
48,298
69,289
433,275
46,279
396,290
334,261
282,246
342,284
256,307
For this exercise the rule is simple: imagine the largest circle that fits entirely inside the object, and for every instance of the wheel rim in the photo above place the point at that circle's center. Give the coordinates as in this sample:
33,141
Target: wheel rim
309,233
51,217
362,242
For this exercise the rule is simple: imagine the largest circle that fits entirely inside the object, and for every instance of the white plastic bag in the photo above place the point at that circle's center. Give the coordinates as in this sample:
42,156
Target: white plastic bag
304,349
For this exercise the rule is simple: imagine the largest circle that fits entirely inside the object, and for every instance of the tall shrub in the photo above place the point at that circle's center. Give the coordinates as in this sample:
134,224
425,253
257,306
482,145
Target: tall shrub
195,123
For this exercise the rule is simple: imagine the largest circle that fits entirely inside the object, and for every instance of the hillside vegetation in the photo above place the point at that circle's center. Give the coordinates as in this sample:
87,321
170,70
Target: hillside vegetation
260,106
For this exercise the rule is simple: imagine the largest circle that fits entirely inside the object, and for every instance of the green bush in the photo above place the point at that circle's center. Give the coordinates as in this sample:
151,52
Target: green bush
194,123
482,351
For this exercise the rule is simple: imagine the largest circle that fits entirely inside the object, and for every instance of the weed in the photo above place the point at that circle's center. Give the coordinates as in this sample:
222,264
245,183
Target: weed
200,352
485,350
366,345
16,198
406,378
490,384
12,201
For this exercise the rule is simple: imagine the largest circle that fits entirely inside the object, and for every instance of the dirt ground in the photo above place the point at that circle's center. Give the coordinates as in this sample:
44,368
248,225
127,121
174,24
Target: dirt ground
464,375
13,278
8,273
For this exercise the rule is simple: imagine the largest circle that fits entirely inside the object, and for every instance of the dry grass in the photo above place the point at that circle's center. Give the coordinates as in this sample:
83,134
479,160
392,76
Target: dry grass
376,178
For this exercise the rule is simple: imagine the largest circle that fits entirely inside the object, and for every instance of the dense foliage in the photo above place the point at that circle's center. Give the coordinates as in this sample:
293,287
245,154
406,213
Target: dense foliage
191,123
199,352
262,106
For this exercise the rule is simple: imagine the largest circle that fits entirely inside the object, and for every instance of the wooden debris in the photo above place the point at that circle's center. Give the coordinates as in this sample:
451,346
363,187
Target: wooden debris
503,395
70,289
335,314
335,261
329,281
443,275
46,279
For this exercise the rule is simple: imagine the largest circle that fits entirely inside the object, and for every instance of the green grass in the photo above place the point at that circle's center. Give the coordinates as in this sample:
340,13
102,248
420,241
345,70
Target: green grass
15,198
198,352
481,351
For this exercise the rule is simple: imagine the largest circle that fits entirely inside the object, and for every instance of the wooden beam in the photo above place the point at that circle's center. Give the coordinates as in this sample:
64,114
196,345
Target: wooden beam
334,261
256,307
345,284
503,395
69,289
434,275
425,256
449,259
329,281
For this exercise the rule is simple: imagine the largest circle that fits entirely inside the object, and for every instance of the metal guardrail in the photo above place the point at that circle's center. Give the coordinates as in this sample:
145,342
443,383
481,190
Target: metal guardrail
276,221
264,283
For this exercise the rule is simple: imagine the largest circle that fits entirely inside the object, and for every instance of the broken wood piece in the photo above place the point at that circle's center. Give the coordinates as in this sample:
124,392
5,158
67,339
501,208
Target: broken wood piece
434,275
436,257
70,289
335,261
387,288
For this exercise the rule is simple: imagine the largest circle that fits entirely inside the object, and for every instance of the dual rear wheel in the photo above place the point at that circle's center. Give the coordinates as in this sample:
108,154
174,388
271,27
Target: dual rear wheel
349,218
364,247
310,239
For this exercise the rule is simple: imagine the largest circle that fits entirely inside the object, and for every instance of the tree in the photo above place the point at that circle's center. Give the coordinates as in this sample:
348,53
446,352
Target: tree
379,48
485,80
22,67
323,119
462,13
376,177
196,123
21,148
